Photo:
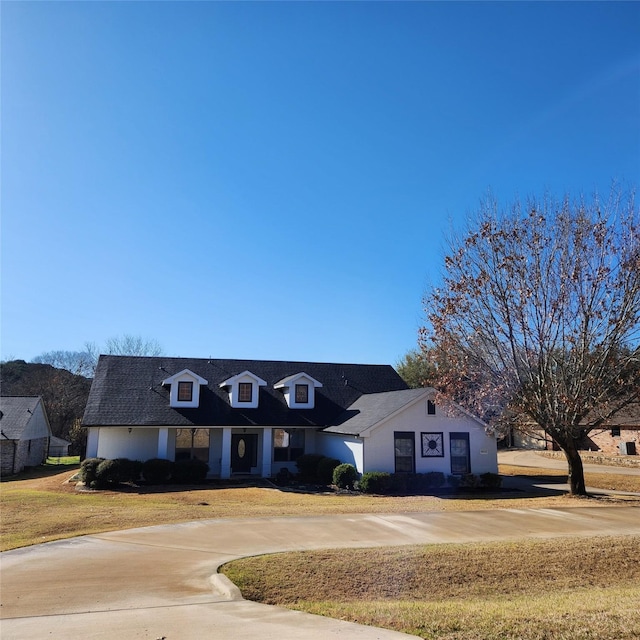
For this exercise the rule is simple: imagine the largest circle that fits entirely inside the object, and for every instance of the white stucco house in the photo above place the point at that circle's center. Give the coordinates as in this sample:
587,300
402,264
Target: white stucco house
256,417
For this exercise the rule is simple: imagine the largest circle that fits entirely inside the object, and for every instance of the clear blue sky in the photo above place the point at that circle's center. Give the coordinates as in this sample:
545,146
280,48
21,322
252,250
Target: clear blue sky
275,180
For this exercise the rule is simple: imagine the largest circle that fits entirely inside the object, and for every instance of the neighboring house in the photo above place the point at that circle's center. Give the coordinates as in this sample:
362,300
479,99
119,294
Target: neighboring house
620,435
24,433
58,448
257,417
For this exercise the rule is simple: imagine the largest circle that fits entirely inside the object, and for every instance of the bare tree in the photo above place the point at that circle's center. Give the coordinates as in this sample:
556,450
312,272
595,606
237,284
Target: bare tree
540,312
81,363
129,345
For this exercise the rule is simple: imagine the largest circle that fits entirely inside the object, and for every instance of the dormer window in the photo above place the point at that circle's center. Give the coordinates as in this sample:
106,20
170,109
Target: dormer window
299,390
244,390
302,393
184,389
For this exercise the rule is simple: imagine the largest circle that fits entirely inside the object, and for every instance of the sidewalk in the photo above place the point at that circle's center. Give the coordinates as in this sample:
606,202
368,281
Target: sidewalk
161,582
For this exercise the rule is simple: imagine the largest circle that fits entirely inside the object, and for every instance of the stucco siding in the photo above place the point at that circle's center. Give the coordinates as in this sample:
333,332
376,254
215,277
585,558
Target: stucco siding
117,442
347,449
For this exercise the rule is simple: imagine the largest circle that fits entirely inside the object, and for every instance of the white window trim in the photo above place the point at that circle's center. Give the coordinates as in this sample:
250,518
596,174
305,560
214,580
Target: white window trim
288,385
233,385
184,376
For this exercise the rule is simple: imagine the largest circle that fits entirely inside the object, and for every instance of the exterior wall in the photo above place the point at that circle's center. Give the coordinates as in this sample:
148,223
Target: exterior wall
604,441
18,454
528,441
347,449
379,454
117,442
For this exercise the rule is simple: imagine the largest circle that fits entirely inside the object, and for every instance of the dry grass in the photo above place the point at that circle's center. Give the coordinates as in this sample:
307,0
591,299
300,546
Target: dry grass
567,588
42,506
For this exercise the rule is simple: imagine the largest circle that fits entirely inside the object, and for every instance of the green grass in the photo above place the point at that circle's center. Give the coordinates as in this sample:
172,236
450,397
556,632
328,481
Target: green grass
578,589
63,461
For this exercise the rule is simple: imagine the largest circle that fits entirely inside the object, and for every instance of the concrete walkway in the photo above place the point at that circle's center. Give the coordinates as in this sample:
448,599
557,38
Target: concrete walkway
161,582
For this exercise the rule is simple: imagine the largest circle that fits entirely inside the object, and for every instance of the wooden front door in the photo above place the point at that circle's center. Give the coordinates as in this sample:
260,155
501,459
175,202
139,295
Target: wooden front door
244,452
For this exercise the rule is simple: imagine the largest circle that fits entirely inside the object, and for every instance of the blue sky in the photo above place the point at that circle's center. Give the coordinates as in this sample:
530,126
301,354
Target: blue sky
275,180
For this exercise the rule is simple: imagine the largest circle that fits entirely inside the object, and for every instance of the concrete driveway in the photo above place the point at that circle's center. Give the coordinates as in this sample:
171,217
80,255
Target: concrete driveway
161,582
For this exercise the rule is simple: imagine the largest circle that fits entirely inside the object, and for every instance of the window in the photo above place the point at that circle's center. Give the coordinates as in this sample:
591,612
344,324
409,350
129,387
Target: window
431,408
192,444
288,444
185,391
245,392
460,454
615,432
302,393
404,445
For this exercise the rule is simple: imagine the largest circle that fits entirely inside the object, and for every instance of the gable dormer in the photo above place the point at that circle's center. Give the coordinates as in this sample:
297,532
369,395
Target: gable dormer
244,390
185,389
299,390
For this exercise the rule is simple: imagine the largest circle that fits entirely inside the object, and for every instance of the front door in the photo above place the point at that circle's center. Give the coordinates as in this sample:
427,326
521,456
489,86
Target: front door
460,455
244,452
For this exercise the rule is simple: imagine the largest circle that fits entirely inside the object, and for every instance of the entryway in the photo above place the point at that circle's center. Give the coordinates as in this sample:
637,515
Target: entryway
244,452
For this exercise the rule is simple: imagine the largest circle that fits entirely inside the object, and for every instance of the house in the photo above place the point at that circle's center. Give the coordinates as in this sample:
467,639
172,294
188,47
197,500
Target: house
58,447
257,417
24,433
620,435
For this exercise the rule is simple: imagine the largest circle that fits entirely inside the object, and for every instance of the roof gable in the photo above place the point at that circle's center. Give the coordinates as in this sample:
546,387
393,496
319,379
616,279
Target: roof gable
23,417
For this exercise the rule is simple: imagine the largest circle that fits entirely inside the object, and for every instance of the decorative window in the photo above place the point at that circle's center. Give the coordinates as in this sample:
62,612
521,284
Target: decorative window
302,393
185,391
245,392
431,408
299,390
432,445
288,444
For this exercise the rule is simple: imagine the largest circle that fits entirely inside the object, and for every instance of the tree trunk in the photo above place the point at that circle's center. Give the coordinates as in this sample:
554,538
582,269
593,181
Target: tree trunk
576,471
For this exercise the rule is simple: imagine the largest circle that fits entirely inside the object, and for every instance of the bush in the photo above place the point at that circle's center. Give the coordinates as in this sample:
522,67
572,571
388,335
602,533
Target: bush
324,470
308,466
375,482
345,476
109,472
190,471
469,481
435,479
157,470
454,481
88,469
490,480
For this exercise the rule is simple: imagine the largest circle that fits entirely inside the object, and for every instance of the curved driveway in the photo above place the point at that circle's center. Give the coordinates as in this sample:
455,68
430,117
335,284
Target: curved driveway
160,582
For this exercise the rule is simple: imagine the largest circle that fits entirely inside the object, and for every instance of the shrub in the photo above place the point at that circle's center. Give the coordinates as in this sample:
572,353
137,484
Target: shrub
324,470
375,482
88,471
399,483
190,471
469,481
308,466
157,470
434,479
109,472
454,481
345,476
490,480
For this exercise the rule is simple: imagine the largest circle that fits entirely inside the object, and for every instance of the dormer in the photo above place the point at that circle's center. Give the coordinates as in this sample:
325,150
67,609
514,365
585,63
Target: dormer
185,389
299,390
244,390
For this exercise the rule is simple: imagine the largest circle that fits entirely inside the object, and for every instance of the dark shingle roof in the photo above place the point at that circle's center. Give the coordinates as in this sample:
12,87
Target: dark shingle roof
127,390
369,410
16,413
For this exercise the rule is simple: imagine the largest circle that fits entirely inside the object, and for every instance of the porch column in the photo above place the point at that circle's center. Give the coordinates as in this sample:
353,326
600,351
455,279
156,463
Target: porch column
225,462
92,442
163,443
267,446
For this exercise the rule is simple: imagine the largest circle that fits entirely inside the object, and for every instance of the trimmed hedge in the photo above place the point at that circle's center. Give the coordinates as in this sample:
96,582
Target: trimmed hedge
88,469
325,470
345,476
157,470
375,482
189,471
308,466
